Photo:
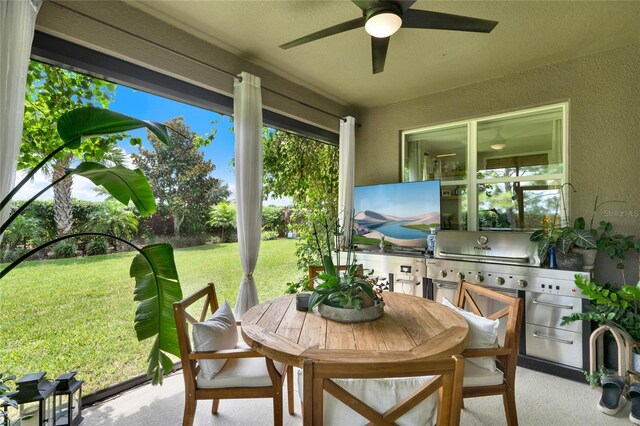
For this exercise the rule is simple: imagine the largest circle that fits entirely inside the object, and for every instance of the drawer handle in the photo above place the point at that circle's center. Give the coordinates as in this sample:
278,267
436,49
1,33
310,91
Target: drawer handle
553,305
555,339
407,282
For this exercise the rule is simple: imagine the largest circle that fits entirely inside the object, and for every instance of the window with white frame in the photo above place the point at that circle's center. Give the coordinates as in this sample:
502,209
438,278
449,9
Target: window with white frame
502,172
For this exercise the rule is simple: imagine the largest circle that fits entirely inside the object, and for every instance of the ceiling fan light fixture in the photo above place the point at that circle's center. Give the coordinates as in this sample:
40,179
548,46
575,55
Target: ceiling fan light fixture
498,146
383,24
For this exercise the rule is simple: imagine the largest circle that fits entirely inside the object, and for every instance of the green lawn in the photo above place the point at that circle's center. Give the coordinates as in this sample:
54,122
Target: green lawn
59,315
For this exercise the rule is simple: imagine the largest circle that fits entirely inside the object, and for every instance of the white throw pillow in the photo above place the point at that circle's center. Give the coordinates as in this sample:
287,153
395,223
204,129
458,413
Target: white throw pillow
483,333
217,333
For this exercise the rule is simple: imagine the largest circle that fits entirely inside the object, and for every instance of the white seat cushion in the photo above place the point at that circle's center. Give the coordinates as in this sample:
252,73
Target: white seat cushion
483,334
478,376
239,372
381,395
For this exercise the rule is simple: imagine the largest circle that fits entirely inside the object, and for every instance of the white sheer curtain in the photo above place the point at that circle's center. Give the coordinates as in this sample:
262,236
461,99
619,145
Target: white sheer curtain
345,178
17,21
247,119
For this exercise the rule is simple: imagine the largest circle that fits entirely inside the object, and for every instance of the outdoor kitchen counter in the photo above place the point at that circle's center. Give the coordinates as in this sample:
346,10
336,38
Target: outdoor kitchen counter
412,328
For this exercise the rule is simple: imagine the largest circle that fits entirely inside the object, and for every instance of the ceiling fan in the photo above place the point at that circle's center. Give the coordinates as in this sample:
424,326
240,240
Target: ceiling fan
382,18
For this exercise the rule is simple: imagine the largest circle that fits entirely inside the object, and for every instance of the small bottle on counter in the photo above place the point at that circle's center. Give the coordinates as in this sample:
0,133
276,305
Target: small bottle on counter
552,258
431,242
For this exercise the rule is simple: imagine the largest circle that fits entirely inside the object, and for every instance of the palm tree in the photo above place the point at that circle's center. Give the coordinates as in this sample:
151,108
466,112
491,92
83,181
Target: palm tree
24,230
50,92
222,216
114,219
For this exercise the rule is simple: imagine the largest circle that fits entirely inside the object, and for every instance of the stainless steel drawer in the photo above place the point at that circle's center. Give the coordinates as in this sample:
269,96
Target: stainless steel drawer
548,310
443,289
564,347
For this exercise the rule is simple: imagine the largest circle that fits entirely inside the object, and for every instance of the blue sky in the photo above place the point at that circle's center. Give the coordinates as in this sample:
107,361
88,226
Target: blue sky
146,106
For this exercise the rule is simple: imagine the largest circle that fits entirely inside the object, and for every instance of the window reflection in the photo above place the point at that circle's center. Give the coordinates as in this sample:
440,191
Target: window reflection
517,205
436,154
526,145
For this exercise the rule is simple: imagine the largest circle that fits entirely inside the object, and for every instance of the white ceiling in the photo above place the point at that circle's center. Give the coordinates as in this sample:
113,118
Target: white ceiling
529,34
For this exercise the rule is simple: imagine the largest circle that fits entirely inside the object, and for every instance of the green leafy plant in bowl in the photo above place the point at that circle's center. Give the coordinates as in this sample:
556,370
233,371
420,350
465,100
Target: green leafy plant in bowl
341,286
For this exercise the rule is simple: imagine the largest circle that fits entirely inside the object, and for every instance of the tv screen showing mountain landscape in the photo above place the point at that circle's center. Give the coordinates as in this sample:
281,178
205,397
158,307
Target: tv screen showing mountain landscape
401,213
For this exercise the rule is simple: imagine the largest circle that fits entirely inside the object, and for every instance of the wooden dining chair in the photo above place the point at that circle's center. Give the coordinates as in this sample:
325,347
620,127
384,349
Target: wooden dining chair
242,376
443,376
506,354
315,270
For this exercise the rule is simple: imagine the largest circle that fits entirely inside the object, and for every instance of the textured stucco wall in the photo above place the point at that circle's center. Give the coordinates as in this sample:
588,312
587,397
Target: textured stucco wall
603,91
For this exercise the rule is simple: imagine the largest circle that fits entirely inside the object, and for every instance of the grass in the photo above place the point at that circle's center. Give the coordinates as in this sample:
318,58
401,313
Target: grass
59,315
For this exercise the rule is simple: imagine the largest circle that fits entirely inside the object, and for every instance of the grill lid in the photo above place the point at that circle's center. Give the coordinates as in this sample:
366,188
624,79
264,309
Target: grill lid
505,247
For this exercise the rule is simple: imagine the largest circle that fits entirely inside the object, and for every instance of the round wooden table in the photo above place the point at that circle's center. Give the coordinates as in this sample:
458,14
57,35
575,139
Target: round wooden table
412,328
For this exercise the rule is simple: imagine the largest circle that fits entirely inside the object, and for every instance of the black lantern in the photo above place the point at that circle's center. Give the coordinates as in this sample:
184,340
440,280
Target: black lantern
68,400
36,401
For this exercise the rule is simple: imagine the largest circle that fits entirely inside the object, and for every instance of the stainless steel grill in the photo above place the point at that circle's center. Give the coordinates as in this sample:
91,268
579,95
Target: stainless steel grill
508,262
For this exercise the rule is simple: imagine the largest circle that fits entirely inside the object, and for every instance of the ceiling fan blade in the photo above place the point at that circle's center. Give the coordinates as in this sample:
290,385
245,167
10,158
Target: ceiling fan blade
443,21
367,4
379,48
406,4
336,29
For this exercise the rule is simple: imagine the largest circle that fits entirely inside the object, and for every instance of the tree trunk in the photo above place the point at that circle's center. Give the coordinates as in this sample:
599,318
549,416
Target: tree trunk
62,210
177,221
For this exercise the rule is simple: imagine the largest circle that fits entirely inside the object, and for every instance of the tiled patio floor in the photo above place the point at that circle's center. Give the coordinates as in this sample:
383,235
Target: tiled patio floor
542,400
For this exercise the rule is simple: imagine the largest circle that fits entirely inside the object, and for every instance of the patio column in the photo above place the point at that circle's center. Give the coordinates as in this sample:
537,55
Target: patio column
345,178
17,21
247,117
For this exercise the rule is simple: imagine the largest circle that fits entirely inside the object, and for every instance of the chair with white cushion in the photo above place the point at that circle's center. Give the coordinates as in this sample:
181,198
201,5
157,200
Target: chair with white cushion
383,393
482,377
217,365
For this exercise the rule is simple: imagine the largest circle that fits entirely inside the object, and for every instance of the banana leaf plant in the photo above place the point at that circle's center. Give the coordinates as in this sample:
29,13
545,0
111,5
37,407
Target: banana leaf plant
157,285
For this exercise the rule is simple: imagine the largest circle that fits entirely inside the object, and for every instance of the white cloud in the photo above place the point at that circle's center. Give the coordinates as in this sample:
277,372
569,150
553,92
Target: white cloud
82,188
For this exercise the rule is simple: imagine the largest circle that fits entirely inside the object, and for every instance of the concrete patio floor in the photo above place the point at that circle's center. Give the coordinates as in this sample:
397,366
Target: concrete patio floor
542,400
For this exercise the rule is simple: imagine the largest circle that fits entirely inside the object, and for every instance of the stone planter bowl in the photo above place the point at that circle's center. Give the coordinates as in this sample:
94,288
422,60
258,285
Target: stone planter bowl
350,315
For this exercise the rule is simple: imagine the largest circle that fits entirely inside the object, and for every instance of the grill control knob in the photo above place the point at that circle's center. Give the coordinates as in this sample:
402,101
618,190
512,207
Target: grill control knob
479,278
522,283
500,281
460,276
443,273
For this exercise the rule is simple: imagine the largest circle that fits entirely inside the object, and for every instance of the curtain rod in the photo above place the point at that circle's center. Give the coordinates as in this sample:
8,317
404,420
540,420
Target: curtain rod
190,58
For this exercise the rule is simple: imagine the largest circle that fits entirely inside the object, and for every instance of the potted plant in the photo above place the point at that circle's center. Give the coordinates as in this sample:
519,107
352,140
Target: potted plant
575,246
344,294
6,399
589,253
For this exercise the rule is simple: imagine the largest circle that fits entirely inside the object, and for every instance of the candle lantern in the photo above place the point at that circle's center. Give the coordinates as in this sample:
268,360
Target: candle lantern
68,400
36,400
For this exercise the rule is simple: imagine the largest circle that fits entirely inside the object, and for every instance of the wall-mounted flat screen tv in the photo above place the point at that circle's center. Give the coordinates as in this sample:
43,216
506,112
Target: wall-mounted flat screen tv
402,213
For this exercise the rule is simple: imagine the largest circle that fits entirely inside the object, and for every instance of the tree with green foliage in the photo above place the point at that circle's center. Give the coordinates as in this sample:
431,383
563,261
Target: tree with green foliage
113,219
50,92
181,177
305,170
222,217
274,219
